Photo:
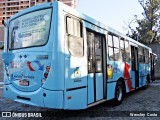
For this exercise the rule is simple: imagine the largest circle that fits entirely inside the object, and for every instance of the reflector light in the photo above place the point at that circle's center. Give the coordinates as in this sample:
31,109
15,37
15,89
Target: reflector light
46,75
48,68
43,81
69,97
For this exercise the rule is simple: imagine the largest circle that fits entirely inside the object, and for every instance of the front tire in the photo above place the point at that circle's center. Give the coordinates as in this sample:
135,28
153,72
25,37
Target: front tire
119,93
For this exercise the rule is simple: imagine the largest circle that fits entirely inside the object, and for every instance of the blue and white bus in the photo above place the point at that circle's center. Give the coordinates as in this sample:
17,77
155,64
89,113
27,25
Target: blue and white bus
57,57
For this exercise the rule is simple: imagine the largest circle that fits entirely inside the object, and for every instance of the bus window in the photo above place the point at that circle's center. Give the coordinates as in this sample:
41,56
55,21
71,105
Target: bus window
116,42
122,44
110,48
30,29
98,53
110,42
122,49
110,52
75,37
127,51
116,48
141,54
90,44
146,56
117,54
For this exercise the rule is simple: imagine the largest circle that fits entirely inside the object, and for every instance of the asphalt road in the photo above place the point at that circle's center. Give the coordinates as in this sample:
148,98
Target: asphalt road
140,101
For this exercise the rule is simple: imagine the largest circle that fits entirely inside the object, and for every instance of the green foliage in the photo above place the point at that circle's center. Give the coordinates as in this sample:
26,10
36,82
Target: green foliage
145,29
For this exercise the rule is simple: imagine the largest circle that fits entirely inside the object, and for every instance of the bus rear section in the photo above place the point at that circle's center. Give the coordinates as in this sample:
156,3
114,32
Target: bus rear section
33,71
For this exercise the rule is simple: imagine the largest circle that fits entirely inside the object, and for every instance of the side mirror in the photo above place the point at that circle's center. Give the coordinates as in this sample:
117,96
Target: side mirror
4,23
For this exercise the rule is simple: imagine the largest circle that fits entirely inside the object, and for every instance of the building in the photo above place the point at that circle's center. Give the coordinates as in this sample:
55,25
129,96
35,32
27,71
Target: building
10,7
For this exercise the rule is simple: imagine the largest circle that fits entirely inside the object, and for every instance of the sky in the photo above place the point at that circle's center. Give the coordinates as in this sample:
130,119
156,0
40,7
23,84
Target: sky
113,13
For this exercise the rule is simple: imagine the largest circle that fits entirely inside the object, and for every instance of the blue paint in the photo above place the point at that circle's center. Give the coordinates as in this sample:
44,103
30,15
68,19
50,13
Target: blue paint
41,67
141,78
90,88
99,86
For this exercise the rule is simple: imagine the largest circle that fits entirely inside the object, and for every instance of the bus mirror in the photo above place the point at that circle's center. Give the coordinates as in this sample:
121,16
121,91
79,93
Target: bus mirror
4,23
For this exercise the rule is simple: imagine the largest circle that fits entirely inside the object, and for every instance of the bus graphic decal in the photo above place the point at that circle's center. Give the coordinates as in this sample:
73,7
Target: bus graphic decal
29,65
40,65
127,76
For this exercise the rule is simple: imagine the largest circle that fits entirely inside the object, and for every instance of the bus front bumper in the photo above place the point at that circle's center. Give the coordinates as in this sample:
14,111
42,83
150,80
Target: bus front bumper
40,97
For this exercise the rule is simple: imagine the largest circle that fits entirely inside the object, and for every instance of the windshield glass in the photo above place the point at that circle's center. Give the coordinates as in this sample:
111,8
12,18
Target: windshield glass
30,29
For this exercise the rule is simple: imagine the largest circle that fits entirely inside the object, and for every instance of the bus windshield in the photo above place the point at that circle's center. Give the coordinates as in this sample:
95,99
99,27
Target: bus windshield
30,29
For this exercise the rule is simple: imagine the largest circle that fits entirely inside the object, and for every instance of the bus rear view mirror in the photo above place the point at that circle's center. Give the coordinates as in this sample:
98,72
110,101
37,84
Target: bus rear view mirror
4,23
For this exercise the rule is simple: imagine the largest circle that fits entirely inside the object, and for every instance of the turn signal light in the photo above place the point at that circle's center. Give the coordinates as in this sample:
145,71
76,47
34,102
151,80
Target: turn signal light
48,68
69,97
46,75
43,81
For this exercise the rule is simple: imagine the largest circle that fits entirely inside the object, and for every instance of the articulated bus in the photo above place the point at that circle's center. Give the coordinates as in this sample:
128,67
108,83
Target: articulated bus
57,57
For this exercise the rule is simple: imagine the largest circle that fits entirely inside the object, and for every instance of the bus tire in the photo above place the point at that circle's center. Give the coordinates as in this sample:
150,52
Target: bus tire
119,93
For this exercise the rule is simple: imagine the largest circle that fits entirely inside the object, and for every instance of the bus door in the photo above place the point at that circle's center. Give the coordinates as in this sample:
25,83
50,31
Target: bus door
96,67
152,67
135,68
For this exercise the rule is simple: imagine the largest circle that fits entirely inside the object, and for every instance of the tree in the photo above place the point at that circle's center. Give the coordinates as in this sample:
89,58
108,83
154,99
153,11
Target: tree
148,30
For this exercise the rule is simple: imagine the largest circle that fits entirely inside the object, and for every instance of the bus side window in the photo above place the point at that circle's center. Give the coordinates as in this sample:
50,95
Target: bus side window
141,54
90,43
127,51
146,56
116,48
75,36
110,48
122,49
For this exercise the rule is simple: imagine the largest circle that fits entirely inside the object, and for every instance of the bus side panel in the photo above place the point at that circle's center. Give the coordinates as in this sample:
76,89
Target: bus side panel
53,99
142,77
56,78
133,79
99,88
111,90
90,88
76,99
34,98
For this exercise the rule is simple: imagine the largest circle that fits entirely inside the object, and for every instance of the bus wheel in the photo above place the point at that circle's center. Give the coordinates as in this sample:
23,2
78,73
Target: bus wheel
119,93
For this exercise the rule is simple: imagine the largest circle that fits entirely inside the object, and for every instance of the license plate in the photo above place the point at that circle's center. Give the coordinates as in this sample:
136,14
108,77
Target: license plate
24,83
